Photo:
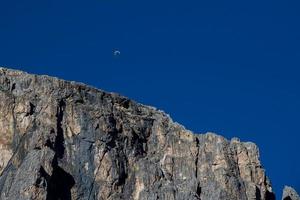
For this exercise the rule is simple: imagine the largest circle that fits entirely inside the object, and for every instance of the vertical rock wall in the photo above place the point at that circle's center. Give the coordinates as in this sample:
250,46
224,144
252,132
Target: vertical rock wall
65,140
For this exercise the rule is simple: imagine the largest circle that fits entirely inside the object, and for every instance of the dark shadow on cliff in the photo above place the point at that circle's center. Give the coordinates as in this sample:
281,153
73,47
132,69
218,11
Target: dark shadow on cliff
270,196
60,182
59,185
257,193
59,147
287,198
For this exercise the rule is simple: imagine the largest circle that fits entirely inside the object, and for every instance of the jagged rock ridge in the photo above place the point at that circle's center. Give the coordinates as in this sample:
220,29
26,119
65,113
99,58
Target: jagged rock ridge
289,194
65,140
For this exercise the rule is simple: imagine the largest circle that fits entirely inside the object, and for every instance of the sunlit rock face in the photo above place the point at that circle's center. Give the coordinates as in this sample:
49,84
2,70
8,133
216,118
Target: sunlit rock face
65,140
289,194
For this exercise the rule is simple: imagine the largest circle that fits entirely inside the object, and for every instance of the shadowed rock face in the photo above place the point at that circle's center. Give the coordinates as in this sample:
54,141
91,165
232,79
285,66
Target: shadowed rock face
64,140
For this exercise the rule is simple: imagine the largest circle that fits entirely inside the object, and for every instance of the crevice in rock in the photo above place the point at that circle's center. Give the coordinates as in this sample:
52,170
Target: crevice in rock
59,147
198,191
97,127
13,87
197,159
287,198
257,194
110,141
137,142
51,140
270,195
59,184
121,167
31,110
42,179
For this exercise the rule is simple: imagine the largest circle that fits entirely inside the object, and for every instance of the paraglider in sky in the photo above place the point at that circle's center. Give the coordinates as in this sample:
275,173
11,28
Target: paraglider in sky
117,53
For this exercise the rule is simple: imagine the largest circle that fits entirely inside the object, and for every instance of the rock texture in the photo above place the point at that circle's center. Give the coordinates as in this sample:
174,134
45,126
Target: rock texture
65,140
289,194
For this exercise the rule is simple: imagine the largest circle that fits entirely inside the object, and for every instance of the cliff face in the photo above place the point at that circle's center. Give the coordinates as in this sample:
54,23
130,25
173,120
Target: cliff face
65,140
289,194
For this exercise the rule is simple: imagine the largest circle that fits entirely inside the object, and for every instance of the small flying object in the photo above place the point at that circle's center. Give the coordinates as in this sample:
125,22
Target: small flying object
117,53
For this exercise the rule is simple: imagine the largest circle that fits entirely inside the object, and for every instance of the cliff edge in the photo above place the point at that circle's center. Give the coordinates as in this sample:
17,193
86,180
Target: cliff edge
65,140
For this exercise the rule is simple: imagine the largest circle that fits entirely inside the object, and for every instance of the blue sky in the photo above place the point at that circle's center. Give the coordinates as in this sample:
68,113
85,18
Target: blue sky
230,67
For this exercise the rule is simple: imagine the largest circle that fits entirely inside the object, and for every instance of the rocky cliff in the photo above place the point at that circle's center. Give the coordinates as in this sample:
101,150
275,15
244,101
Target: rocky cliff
289,194
65,140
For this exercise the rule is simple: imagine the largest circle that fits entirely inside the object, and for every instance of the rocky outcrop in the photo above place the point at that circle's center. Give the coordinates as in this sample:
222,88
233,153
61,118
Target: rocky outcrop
289,194
65,140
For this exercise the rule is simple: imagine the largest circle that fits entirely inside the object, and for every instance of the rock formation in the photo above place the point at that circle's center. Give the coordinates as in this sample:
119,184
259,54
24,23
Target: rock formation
65,140
289,194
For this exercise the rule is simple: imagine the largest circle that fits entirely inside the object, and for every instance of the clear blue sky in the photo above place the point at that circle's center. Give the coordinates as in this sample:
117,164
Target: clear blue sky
230,67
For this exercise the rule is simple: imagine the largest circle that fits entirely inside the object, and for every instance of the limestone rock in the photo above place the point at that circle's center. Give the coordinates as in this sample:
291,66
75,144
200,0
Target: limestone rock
65,140
289,194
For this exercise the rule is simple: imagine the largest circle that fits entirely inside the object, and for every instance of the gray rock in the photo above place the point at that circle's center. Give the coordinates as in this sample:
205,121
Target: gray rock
289,194
66,140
